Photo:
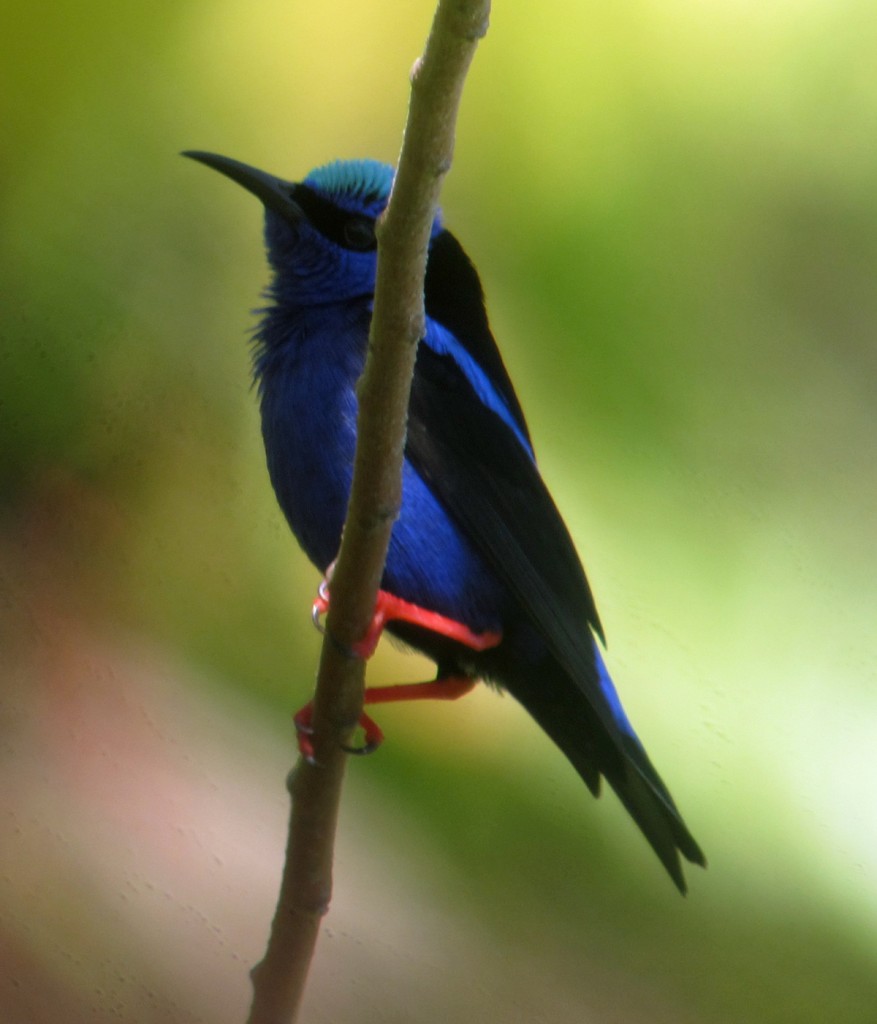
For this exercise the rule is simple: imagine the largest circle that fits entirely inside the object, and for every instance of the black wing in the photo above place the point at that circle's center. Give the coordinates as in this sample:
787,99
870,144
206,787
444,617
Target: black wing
476,465
487,481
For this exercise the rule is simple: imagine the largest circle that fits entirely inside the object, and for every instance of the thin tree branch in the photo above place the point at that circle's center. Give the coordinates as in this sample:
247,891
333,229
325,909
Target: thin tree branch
375,499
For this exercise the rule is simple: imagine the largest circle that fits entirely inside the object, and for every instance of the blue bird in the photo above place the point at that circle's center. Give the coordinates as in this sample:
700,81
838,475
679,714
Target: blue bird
479,540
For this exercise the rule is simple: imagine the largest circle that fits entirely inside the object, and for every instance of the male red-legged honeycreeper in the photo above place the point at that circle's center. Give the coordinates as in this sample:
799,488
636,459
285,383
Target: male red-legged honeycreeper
479,539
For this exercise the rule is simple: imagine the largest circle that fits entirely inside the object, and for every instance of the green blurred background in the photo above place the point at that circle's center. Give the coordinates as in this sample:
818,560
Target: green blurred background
673,208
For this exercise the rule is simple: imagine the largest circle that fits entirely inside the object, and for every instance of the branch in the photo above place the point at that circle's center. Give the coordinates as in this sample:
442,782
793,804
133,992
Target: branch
398,323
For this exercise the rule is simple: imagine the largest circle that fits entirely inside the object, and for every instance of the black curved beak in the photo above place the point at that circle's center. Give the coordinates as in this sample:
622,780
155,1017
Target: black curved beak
275,193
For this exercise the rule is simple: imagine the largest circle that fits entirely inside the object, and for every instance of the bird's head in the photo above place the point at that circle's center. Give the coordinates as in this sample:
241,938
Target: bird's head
320,232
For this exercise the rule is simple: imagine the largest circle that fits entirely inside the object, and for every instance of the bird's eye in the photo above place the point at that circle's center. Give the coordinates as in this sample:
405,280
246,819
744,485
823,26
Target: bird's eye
359,233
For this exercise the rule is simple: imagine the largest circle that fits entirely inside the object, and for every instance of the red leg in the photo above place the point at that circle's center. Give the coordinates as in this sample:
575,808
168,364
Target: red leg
389,608
444,688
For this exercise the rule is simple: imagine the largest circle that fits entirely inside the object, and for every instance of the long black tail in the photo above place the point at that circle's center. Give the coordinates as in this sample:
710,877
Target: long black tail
560,707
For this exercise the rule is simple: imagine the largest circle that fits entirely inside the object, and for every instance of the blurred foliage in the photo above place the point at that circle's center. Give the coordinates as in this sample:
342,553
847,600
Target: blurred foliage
673,209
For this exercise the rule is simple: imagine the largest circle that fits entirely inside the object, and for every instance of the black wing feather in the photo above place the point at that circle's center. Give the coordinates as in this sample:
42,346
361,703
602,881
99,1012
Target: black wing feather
488,482
485,478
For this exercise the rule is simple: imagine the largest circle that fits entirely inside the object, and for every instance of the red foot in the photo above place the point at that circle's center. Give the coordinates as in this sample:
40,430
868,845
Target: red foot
389,608
445,688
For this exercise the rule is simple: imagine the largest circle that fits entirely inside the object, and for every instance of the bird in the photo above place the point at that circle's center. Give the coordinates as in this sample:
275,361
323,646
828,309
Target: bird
479,543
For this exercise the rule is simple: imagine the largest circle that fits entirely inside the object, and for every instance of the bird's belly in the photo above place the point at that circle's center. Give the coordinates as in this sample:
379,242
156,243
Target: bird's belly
310,435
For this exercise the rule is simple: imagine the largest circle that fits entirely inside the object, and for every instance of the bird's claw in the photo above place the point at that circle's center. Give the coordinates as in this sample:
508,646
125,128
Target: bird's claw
304,731
319,608
374,737
363,648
